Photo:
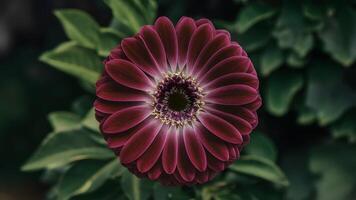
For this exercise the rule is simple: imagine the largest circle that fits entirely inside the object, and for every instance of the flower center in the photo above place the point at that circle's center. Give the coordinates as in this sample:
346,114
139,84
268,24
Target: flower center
177,100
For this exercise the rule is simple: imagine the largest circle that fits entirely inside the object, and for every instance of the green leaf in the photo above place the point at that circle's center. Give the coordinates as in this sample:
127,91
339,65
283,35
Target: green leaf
306,115
327,93
271,59
295,61
335,166
255,38
77,61
108,191
86,177
90,122
168,193
252,14
304,44
109,38
282,87
79,27
345,127
62,121
61,148
261,168
338,36
135,188
127,13
261,146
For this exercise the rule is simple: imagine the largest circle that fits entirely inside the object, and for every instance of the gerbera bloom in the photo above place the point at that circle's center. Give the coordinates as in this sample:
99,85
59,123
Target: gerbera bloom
177,103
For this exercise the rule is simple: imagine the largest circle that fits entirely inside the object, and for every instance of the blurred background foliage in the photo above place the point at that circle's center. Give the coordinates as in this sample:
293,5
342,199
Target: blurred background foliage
304,51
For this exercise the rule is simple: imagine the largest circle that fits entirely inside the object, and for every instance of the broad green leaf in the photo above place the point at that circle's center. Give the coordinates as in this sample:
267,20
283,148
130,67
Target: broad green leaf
79,27
90,122
109,38
110,190
77,61
345,127
62,121
327,93
305,115
87,176
271,59
334,165
282,87
168,193
314,10
338,36
255,38
61,148
294,164
135,188
261,168
295,61
261,146
127,13
304,44
252,14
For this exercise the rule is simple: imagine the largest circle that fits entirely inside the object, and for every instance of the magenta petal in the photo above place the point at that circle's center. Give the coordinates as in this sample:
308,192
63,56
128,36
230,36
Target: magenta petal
240,124
203,21
185,29
127,74
140,142
115,92
184,166
166,31
155,172
220,55
214,164
110,107
150,157
233,64
219,41
137,52
234,78
155,46
118,140
202,177
232,95
255,104
214,145
194,148
170,152
125,119
200,38
220,128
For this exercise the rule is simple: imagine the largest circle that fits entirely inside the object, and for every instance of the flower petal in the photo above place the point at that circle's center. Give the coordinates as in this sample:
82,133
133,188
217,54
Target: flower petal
140,142
232,95
233,64
125,119
110,107
220,128
219,41
233,78
127,74
194,149
184,166
155,172
200,38
137,52
155,46
185,29
170,152
114,92
214,145
166,31
150,157
215,164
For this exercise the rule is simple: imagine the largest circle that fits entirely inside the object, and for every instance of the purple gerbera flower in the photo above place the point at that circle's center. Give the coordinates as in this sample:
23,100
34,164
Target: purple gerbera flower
177,103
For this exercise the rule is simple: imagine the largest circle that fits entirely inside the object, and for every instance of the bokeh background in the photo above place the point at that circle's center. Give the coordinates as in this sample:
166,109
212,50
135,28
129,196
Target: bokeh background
304,53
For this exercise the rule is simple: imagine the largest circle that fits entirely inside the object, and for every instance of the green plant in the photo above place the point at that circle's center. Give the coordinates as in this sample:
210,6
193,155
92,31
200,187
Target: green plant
304,53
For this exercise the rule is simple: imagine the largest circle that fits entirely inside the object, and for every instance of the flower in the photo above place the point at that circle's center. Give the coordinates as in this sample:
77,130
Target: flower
177,103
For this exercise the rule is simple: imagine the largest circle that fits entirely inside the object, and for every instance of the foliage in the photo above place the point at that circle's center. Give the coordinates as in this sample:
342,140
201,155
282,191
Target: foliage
304,53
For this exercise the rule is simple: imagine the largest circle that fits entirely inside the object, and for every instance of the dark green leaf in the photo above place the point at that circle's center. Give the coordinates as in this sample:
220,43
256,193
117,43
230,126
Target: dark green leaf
62,121
305,115
77,61
271,59
261,146
261,168
109,38
79,27
252,14
255,38
168,193
87,176
61,148
282,87
346,127
327,94
135,188
335,166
